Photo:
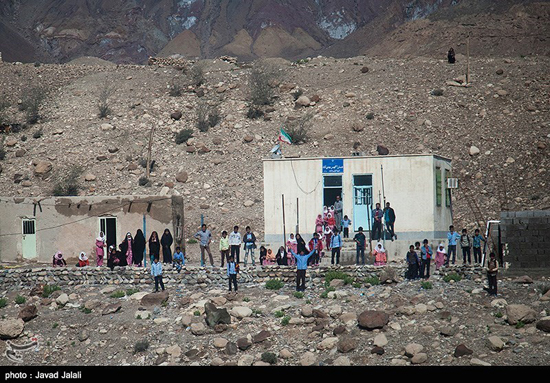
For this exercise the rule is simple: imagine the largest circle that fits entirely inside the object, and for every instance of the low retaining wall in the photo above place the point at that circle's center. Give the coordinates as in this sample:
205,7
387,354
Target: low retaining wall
12,279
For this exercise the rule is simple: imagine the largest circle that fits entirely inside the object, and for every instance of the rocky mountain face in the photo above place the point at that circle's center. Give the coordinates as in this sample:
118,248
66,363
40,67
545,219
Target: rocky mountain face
131,31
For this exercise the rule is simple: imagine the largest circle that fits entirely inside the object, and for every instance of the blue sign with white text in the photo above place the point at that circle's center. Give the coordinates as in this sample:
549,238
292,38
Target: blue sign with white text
333,165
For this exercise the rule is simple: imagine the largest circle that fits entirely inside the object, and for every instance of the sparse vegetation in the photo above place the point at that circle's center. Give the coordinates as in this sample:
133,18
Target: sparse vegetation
37,134
437,92
2,150
141,346
426,285
183,135
254,112
452,277
4,105
279,314
175,89
373,280
118,294
3,303
47,290
269,357
274,284
31,102
196,74
103,104
20,300
336,274
298,129
285,320
143,181
298,294
261,80
370,116
68,184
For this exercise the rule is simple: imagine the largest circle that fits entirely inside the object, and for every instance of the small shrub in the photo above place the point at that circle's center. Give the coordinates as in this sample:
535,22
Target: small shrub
246,299
452,277
141,346
184,135
274,284
285,320
130,292
498,314
175,89
20,300
143,181
427,285
214,116
298,294
37,134
31,102
269,357
105,94
202,117
335,274
68,184
357,285
196,74
298,130
279,314
3,303
118,294
2,151
370,116
297,94
254,112
324,294
86,310
47,290
4,105
197,313
520,324
55,325
437,92
260,82
373,280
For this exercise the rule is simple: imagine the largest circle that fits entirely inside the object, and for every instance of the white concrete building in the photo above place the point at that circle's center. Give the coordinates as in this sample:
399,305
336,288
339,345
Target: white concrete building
415,186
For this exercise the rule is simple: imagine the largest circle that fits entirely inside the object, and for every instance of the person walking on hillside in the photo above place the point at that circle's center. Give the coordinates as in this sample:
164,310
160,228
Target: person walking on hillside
361,243
465,245
205,237
377,215
452,237
389,218
335,246
235,243
338,211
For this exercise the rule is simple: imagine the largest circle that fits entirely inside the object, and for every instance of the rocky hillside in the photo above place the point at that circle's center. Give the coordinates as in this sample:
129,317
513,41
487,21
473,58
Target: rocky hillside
496,130
131,31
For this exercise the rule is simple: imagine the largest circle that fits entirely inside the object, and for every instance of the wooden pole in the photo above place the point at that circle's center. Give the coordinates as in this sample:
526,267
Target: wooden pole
284,226
297,215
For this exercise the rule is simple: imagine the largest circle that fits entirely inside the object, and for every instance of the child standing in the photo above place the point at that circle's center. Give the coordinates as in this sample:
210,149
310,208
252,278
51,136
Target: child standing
413,262
379,254
466,244
232,272
178,259
492,270
476,240
301,267
440,255
345,224
224,247
427,253
156,272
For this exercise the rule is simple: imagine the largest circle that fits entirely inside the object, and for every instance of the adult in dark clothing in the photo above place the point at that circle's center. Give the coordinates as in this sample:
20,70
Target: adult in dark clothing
127,249
377,215
166,242
389,218
154,246
361,243
301,244
413,262
122,260
113,257
263,254
139,247
282,257
451,56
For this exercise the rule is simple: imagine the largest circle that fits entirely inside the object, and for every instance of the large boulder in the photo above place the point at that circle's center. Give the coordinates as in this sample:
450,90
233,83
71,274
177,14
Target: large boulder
520,313
544,324
28,312
155,299
11,328
215,315
370,319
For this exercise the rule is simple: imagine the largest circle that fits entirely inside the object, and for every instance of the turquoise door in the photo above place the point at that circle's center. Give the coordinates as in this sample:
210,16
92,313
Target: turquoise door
362,201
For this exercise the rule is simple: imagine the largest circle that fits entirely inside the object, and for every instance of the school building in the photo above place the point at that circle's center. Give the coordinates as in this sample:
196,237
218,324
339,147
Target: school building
415,185
34,229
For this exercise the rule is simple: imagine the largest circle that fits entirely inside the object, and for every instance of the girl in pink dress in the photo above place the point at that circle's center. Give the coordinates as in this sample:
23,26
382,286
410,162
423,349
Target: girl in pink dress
440,255
379,253
100,243
291,244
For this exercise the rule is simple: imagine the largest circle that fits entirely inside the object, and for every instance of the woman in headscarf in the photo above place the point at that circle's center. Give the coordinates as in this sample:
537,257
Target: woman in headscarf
126,248
440,255
325,213
319,224
270,258
154,246
112,257
331,221
100,243
139,248
263,254
166,241
379,254
83,260
58,260
301,245
291,244
282,256
327,235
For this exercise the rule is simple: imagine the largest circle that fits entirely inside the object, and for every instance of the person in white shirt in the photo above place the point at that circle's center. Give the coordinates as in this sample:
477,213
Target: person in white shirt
235,243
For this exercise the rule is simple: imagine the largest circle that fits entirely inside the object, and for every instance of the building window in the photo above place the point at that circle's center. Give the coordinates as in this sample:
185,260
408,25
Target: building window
332,188
438,185
447,190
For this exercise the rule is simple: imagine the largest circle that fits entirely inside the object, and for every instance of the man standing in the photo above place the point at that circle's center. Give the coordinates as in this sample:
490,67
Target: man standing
389,217
205,237
452,236
377,215
235,243
338,210
361,242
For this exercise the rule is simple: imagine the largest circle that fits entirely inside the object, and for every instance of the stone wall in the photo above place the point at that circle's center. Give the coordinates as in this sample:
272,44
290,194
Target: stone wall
526,238
194,276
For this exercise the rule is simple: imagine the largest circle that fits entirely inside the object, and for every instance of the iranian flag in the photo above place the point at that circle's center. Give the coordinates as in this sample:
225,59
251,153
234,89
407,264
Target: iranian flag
284,137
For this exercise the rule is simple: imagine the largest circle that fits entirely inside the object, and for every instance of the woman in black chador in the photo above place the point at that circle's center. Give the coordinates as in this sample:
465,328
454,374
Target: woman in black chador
139,247
166,242
154,246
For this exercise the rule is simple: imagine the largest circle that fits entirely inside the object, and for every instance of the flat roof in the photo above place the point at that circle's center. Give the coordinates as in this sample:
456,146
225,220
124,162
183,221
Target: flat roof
357,157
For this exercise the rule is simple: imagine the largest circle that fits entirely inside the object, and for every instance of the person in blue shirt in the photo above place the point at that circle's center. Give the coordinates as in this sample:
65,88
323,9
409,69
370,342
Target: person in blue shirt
301,267
156,272
232,272
453,237
345,225
476,239
178,260
426,256
335,246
